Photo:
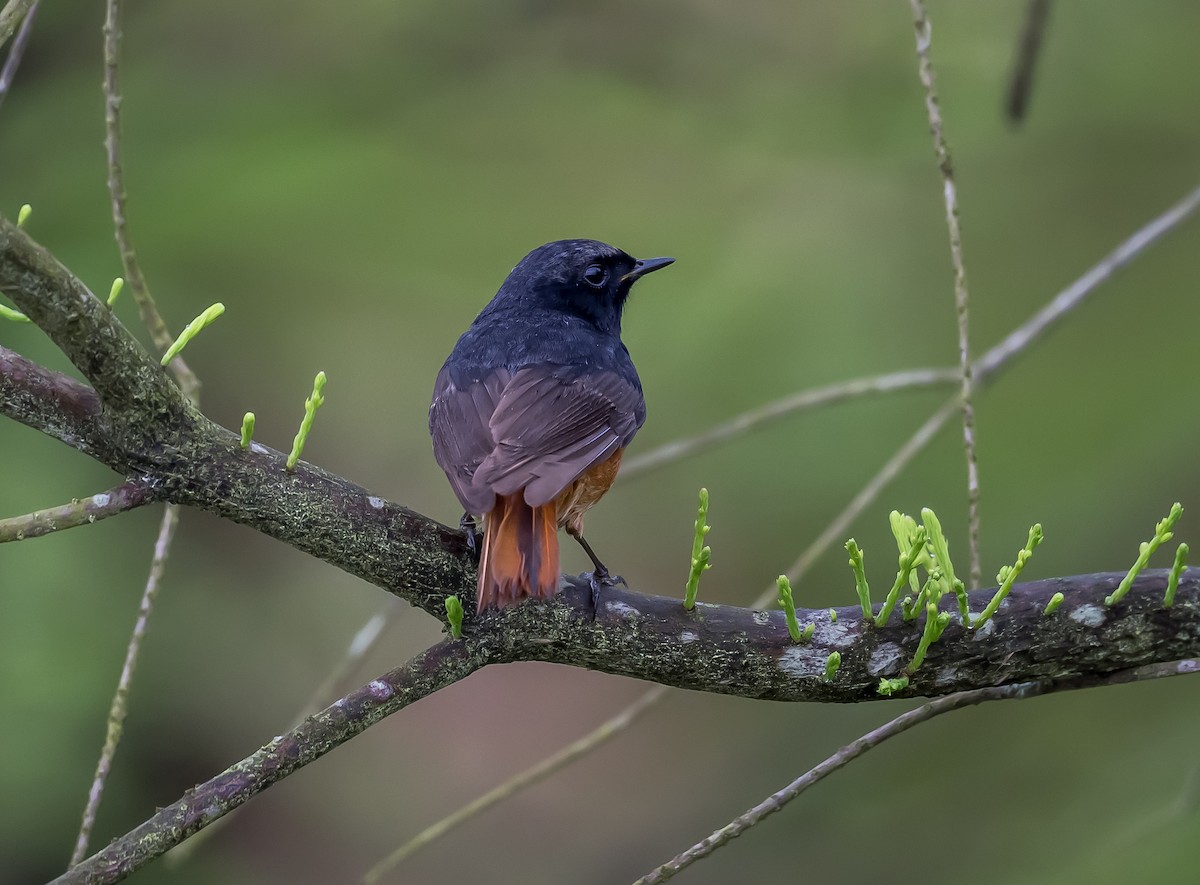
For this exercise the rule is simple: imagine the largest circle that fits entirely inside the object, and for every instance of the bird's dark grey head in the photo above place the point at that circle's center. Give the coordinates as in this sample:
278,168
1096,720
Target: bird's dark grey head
586,278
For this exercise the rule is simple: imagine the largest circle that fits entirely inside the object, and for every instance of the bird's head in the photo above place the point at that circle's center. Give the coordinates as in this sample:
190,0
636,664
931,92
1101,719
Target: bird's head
585,278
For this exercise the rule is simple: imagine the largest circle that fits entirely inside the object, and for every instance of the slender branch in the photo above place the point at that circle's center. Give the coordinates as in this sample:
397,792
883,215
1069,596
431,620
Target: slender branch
950,195
85,511
119,707
16,52
1029,44
797,402
840,525
1077,292
12,13
873,739
434,669
134,278
983,368
364,640
527,778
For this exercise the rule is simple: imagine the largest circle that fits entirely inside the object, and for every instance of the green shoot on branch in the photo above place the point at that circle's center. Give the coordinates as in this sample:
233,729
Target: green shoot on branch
311,405
808,631
23,214
247,429
833,616
1055,601
935,626
701,554
888,687
1162,534
911,608
11,315
908,561
1007,575
860,577
192,330
831,665
117,285
904,530
789,607
939,547
454,614
1176,571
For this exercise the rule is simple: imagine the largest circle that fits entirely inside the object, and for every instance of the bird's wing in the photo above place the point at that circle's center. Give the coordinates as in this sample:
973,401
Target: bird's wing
533,430
549,430
459,422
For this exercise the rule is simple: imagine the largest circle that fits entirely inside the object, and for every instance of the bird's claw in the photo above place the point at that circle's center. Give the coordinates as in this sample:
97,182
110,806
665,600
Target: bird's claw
474,536
598,580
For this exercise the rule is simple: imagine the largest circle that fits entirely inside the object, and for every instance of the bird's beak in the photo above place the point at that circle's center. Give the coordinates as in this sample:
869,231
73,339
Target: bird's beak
644,266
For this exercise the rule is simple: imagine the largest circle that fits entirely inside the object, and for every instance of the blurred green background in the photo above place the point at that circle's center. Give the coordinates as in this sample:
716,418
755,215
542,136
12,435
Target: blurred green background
354,181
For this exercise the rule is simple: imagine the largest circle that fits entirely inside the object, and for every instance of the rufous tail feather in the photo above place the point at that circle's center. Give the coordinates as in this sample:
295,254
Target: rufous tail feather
520,552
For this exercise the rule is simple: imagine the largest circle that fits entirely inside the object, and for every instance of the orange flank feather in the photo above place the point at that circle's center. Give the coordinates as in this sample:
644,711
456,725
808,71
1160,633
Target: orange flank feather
520,552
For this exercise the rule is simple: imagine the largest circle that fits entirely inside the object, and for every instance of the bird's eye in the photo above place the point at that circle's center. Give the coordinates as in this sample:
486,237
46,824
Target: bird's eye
595,276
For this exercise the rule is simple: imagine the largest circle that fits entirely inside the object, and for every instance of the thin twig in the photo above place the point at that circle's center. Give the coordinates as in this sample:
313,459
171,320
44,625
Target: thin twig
188,383
837,528
526,778
1073,295
16,52
85,511
134,278
13,12
988,365
443,664
780,408
365,638
983,367
1029,44
120,702
872,739
950,195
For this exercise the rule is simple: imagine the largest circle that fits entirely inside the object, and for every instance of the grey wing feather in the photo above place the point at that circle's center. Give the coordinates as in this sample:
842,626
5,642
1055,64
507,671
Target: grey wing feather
459,422
549,431
528,430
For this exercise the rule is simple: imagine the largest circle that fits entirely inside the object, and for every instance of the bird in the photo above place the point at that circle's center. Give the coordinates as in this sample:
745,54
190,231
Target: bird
532,410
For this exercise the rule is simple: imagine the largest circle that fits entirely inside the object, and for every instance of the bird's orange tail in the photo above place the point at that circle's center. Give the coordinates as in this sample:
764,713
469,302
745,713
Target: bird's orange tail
520,552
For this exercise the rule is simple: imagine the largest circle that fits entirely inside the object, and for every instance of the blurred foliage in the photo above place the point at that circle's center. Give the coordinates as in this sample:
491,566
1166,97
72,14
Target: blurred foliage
354,180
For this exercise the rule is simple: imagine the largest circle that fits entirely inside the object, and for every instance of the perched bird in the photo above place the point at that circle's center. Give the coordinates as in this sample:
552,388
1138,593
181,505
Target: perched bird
533,407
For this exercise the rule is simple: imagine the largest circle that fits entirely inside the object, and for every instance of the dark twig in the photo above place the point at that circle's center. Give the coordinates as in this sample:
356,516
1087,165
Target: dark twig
82,511
737,651
872,739
1029,45
16,52
434,669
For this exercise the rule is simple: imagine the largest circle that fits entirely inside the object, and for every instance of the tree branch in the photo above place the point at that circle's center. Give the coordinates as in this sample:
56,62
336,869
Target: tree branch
58,406
89,333
82,511
902,723
10,15
434,669
192,461
196,463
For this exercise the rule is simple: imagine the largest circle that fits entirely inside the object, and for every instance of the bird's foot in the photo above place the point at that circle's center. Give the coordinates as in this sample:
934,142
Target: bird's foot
598,580
474,536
